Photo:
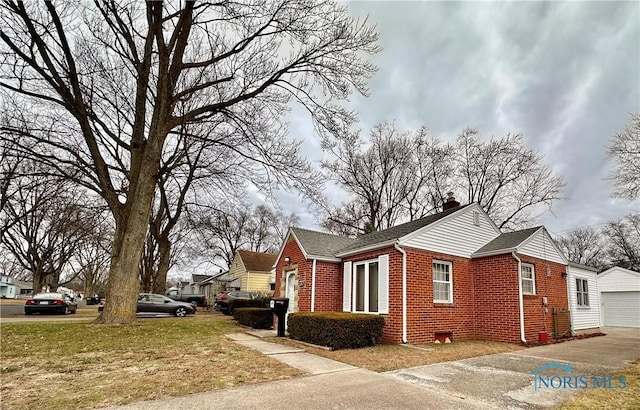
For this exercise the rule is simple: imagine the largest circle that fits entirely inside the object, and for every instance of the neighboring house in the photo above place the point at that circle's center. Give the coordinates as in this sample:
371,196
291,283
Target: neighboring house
452,274
8,289
215,284
584,298
252,271
620,297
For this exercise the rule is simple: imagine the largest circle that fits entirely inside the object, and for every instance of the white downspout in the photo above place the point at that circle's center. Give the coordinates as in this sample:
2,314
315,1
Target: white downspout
313,286
520,303
404,292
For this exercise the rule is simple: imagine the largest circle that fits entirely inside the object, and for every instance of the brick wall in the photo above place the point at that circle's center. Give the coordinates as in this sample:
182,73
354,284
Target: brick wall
426,318
497,309
328,294
549,283
497,312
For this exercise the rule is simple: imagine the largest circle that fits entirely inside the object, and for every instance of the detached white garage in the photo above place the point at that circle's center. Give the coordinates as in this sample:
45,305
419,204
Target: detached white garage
620,297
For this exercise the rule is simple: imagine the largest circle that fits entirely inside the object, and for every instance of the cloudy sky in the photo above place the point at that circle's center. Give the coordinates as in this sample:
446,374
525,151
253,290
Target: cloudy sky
564,74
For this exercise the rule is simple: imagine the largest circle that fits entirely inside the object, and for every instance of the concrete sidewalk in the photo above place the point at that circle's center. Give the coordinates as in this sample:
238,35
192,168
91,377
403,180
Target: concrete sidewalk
290,356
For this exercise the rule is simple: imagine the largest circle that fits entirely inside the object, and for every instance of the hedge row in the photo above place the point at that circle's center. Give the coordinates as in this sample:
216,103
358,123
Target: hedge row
255,317
336,330
246,303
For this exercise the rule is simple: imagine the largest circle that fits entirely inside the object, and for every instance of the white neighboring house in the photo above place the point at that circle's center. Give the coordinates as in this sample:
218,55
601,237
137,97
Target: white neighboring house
584,298
8,289
620,297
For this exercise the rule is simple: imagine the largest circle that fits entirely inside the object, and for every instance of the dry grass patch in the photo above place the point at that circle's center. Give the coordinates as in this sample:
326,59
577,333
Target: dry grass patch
77,365
381,358
599,398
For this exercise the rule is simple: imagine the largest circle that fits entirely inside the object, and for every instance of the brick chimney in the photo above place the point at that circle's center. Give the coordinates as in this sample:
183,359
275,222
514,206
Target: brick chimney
450,203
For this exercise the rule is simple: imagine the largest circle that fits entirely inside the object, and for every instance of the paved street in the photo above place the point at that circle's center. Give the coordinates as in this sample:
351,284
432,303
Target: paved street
489,382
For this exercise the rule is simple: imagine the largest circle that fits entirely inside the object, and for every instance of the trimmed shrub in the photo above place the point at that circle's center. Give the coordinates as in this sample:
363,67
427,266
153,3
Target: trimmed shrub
255,317
244,303
335,329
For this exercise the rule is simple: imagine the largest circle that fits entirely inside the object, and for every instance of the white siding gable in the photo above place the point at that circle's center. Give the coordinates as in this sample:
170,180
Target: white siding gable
541,246
618,279
457,234
583,317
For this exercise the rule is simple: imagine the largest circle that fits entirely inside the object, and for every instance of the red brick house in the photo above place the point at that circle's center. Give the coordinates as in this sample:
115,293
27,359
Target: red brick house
452,274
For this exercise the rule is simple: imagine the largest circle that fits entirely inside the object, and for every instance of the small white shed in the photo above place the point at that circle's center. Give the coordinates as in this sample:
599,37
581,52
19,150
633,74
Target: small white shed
584,298
620,297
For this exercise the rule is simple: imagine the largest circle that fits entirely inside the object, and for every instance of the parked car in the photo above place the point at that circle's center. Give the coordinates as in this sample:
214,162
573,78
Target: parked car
93,299
52,302
194,299
223,298
153,303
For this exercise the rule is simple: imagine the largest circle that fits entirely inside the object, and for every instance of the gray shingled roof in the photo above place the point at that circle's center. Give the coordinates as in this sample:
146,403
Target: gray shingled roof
329,245
507,240
321,243
396,232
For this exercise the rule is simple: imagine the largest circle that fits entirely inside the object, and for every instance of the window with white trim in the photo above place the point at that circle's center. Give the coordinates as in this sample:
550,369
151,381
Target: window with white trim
366,286
582,292
528,279
442,282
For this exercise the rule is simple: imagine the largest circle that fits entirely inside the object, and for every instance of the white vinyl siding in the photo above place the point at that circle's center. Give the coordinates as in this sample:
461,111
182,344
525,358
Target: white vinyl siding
442,282
366,286
583,317
540,246
456,234
528,279
618,279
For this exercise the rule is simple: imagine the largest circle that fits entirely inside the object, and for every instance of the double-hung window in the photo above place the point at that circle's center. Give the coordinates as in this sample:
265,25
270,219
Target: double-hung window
582,292
528,279
442,282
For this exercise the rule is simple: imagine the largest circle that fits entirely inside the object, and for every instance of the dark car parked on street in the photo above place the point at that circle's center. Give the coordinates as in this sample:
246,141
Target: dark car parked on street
223,299
51,302
153,303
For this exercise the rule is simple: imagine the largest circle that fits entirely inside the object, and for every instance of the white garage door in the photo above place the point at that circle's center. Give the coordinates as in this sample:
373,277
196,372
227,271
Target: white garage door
621,309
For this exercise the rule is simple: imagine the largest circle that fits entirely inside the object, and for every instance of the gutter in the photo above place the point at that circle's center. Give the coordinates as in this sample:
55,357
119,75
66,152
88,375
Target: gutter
404,291
520,303
313,286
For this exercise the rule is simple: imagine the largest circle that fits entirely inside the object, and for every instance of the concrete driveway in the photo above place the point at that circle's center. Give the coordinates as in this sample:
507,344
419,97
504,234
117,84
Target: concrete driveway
506,380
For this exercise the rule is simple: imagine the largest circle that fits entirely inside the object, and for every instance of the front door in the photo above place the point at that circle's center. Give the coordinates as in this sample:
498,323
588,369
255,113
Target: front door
290,293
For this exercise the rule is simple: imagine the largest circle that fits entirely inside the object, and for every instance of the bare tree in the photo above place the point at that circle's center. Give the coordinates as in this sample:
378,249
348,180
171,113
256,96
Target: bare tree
44,225
124,75
404,176
221,233
585,246
399,176
624,149
507,179
623,242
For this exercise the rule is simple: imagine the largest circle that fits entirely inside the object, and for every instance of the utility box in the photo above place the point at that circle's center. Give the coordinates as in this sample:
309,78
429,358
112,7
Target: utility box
279,307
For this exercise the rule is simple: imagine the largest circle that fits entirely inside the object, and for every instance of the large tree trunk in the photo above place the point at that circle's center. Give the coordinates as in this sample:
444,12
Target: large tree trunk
128,244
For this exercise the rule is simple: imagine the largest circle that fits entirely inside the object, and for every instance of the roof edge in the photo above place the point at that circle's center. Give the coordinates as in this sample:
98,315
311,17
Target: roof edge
372,247
493,253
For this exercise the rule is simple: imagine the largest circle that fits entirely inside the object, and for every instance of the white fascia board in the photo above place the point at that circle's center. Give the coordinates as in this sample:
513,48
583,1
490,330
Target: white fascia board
324,258
373,247
494,253
286,240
